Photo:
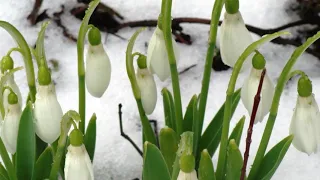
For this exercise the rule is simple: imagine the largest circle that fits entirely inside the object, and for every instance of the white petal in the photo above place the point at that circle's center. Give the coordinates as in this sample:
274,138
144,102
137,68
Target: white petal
48,114
78,165
11,83
305,125
98,70
148,90
157,57
235,38
9,133
249,90
187,176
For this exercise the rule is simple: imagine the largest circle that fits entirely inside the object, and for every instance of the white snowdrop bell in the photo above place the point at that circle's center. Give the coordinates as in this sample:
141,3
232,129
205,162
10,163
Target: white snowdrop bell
187,176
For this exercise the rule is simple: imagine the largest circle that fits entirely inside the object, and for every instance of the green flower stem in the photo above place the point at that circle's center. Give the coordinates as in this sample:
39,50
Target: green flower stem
220,174
81,70
216,11
275,104
296,72
27,58
14,49
172,61
7,162
147,129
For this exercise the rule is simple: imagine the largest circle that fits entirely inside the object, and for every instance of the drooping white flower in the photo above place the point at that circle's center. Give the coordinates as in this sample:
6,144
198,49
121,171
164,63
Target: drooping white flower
48,114
249,90
78,165
157,56
98,70
11,83
235,38
10,126
148,90
187,176
305,125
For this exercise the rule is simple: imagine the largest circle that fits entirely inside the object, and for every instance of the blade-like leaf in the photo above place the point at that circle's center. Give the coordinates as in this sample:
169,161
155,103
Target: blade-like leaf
237,131
154,165
4,172
273,158
234,161
168,146
7,162
26,145
90,136
212,135
206,170
188,117
43,164
168,107
40,146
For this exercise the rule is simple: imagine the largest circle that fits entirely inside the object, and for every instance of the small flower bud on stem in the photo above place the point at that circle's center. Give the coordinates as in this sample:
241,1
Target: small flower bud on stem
232,6
76,137
258,61
44,76
142,61
304,86
94,36
6,64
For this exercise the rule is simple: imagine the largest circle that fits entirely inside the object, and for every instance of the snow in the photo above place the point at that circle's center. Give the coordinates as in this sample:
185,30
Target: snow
115,158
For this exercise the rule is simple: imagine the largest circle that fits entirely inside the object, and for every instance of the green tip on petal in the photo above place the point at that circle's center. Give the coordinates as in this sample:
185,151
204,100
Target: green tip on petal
44,76
12,98
76,137
258,61
304,86
94,36
6,63
187,163
232,6
142,61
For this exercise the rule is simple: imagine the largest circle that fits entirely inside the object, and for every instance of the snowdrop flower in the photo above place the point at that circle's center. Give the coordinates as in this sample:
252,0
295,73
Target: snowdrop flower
47,110
78,165
305,123
250,87
187,165
235,37
147,86
10,126
157,56
98,67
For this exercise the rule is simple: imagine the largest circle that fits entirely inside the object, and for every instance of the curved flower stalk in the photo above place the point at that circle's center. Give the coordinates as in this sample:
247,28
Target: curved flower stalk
235,37
146,85
10,126
250,86
305,123
47,109
157,56
98,67
78,165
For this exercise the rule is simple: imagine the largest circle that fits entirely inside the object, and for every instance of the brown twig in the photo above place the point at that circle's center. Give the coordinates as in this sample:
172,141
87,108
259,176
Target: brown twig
57,20
250,128
32,17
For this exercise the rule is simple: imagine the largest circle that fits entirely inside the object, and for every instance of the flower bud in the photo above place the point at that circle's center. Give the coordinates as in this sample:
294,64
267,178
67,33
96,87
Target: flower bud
10,127
78,165
148,90
232,6
304,87
98,70
235,38
76,137
44,76
13,85
94,36
249,90
6,63
48,114
157,56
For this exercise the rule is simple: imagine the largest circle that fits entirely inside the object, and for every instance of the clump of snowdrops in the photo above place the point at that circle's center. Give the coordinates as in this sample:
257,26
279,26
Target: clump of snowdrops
40,141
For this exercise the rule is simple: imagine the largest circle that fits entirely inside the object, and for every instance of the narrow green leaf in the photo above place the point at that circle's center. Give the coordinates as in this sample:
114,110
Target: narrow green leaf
40,50
212,135
90,136
154,165
168,108
43,164
173,112
168,146
26,145
273,158
196,128
237,131
40,146
7,162
4,172
176,168
234,161
2,177
188,117
206,170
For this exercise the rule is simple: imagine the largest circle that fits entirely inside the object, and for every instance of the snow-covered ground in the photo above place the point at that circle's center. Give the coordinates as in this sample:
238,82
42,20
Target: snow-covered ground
115,158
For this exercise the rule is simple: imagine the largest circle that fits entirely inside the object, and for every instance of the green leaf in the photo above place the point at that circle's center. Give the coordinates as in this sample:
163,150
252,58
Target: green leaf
168,146
212,135
43,164
188,117
237,131
169,110
273,158
206,170
90,136
4,172
154,165
234,161
7,162
40,50
40,146
26,145
176,168
196,128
